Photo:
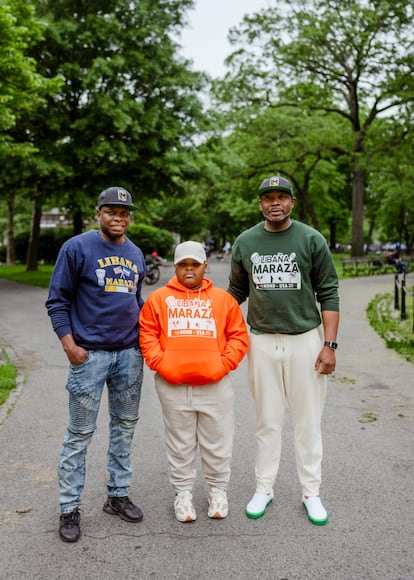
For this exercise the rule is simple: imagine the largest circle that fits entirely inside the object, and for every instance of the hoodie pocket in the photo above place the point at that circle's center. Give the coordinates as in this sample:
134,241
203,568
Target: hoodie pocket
195,367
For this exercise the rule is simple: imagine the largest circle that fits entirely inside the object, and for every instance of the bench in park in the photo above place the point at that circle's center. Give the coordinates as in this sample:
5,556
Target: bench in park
366,266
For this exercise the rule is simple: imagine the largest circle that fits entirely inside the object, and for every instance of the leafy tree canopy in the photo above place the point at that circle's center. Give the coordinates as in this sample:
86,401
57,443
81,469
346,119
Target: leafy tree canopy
22,88
128,107
352,59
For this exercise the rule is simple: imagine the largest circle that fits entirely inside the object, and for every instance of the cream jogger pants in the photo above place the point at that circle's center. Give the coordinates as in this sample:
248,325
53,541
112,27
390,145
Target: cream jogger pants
200,417
281,374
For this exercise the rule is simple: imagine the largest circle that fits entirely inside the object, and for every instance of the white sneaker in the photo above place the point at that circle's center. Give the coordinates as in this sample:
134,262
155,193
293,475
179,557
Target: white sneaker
218,506
258,504
317,514
183,507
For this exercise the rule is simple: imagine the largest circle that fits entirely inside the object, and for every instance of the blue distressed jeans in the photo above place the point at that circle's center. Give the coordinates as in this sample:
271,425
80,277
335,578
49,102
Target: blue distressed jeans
122,371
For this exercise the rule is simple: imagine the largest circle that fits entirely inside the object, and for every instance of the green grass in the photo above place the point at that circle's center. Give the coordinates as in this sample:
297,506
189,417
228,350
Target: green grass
338,263
8,376
18,274
8,371
386,321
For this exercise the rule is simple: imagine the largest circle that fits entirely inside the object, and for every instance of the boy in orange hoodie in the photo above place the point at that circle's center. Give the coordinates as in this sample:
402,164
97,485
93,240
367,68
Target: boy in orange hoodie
193,334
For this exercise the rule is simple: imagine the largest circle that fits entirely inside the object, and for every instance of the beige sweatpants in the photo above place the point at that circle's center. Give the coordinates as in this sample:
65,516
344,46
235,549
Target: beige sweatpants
198,417
281,375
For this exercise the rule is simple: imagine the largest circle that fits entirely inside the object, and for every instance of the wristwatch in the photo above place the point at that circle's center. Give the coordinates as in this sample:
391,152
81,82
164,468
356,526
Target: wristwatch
332,345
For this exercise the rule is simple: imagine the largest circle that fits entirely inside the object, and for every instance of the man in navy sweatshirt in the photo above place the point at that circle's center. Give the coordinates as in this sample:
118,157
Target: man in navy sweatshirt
94,303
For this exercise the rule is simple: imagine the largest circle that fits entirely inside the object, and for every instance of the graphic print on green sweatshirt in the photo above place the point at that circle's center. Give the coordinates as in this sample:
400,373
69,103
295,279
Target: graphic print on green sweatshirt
275,271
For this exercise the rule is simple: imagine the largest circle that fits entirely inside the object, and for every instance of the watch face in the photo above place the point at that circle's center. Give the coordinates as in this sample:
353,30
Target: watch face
331,344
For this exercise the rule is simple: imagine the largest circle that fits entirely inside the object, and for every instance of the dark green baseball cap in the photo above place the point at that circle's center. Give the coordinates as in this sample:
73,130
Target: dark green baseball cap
277,183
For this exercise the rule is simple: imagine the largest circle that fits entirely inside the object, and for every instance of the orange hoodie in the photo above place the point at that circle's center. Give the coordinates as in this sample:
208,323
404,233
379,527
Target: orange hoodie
192,337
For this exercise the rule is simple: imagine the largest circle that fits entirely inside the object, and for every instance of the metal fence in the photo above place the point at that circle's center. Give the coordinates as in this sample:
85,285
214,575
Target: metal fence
401,293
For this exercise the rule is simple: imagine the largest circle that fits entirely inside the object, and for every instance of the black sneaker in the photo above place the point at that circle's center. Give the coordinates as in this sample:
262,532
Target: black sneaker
69,529
124,508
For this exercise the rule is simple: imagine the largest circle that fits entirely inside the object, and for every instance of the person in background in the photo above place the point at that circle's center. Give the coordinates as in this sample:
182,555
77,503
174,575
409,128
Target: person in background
227,248
206,248
193,335
94,303
282,265
393,258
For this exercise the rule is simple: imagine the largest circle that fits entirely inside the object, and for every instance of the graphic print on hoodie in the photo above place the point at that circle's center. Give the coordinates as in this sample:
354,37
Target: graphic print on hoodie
190,316
192,337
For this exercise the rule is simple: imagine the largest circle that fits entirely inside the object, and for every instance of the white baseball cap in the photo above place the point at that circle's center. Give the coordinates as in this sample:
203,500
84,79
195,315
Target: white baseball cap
190,250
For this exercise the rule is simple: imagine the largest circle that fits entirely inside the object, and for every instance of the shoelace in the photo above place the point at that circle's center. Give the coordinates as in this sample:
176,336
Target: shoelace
124,501
71,518
184,498
218,494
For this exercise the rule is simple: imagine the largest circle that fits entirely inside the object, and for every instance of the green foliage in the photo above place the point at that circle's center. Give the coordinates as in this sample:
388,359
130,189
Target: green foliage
126,112
8,376
51,239
127,105
185,216
298,146
353,69
147,237
393,184
326,101
22,88
386,321
150,238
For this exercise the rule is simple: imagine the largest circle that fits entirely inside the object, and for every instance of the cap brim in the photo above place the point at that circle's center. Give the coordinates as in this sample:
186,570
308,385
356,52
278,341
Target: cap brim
130,207
274,188
189,257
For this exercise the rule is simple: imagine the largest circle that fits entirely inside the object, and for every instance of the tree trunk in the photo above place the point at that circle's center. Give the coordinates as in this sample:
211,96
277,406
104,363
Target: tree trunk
314,218
10,256
77,221
332,234
358,211
306,210
33,249
371,229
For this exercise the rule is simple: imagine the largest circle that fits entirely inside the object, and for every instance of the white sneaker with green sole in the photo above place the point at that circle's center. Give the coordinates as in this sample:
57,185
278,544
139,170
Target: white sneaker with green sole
317,514
256,507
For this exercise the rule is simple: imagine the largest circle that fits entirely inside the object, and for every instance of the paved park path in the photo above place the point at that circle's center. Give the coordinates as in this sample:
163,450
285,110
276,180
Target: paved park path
368,471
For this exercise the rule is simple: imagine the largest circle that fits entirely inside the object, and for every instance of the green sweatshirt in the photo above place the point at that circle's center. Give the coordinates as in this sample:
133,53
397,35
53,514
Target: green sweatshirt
285,275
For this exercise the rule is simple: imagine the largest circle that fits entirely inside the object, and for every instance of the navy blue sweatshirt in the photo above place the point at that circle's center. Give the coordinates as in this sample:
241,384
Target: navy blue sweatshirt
95,292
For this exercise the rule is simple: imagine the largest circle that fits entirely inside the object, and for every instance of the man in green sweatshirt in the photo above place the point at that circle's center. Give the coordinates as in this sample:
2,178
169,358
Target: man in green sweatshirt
286,270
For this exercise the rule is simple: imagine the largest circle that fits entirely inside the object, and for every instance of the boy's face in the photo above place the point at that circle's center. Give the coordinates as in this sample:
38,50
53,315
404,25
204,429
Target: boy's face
190,273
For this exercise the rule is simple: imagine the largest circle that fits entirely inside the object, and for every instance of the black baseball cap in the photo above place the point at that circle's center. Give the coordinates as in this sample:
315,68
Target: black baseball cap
116,196
277,183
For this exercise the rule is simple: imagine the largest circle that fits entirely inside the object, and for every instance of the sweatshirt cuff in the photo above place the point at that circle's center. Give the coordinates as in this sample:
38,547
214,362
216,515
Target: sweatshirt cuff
63,330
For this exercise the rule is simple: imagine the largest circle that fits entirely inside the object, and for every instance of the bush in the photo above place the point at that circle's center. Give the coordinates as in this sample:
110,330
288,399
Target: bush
51,239
150,238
